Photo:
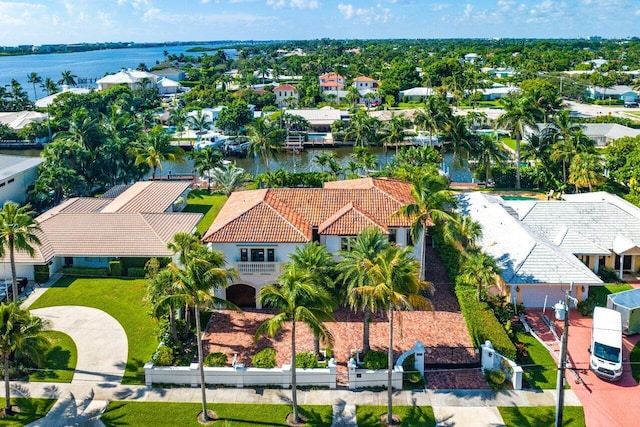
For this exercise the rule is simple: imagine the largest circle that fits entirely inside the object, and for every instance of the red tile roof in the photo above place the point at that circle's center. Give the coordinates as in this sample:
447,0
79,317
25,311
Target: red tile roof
285,88
363,79
289,214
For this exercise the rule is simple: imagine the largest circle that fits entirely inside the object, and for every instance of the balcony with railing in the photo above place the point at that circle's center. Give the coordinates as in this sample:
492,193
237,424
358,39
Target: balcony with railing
258,268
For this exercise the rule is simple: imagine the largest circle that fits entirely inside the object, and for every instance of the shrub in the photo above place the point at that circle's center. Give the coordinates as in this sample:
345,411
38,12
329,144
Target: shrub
163,356
306,360
137,272
216,359
115,268
85,271
414,377
375,360
265,358
41,273
608,275
409,363
496,376
586,307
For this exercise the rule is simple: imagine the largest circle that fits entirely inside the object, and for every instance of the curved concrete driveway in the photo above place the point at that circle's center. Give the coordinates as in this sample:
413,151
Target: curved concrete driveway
101,341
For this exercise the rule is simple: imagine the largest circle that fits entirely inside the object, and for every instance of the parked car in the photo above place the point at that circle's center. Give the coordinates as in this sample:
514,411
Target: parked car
631,105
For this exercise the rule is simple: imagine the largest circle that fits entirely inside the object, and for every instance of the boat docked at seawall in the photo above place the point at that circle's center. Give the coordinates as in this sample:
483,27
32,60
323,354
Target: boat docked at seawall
211,139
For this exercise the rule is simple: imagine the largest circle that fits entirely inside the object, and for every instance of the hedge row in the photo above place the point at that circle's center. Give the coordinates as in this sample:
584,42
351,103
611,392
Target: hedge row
481,322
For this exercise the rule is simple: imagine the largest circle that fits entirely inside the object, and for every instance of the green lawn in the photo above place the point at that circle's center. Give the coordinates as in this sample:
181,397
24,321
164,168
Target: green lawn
539,367
410,415
30,410
230,414
601,292
124,300
201,201
60,360
509,142
533,416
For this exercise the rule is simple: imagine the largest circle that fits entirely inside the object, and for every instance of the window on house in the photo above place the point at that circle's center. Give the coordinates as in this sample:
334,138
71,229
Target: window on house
315,236
244,255
408,237
257,255
346,243
11,180
393,238
271,255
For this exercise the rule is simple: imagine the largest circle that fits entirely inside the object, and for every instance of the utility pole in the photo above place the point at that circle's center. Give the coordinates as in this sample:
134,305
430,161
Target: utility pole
563,358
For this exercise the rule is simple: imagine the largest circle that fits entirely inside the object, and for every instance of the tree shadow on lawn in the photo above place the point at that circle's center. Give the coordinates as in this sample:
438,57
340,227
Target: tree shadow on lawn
57,360
201,209
369,416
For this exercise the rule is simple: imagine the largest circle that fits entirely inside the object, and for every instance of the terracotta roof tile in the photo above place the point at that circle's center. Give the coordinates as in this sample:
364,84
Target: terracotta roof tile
286,87
289,214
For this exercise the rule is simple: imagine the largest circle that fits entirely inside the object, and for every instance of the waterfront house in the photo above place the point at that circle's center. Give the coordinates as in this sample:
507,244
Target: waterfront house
130,77
174,74
134,222
333,83
600,133
322,118
257,230
167,86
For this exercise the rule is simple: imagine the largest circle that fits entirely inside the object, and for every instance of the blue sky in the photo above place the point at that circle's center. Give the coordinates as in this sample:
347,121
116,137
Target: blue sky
73,21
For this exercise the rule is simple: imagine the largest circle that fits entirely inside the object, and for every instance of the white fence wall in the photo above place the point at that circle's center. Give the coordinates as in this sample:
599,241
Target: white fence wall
359,378
190,375
491,359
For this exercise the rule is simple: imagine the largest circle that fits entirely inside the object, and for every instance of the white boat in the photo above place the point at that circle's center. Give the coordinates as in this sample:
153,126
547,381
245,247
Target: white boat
211,139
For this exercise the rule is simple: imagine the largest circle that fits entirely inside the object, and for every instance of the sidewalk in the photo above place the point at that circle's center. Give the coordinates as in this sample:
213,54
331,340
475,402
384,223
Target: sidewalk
462,407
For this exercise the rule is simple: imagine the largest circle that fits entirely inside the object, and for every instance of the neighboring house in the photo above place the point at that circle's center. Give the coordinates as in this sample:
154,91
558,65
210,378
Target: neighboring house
472,58
333,83
537,244
210,114
497,91
363,82
500,72
368,90
257,230
17,120
418,94
135,221
174,74
17,173
622,92
600,133
286,95
167,86
47,100
131,78
321,119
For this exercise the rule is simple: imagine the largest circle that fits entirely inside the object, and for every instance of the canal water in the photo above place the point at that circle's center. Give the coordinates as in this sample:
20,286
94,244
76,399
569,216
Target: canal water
302,161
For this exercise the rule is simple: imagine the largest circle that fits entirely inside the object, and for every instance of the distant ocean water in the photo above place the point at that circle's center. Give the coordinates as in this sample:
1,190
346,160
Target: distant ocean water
91,64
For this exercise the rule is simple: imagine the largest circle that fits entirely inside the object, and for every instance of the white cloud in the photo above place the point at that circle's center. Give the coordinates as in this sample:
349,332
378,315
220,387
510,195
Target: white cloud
346,10
368,15
437,7
304,4
276,3
21,13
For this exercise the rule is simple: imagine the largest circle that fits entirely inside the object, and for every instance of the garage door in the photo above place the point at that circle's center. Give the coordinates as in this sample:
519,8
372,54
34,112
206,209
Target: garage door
533,296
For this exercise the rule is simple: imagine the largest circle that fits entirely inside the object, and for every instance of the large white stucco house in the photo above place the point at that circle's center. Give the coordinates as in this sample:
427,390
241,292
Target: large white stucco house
134,221
542,246
257,230
17,173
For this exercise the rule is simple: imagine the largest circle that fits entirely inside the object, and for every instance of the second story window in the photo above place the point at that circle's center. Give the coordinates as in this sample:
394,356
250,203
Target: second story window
393,238
346,243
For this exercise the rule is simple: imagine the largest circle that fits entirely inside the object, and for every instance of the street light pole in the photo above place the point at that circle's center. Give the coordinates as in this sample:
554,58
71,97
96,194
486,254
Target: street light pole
563,359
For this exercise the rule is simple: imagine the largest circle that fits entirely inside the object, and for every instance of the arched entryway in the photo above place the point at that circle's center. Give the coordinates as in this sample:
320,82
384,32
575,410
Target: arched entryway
243,296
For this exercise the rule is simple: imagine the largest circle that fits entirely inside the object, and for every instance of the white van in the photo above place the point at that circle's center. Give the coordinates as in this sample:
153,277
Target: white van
606,344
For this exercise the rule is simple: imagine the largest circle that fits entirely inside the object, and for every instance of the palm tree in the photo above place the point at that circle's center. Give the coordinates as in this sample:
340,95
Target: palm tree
156,148
67,78
83,129
50,86
34,79
394,283
205,160
364,248
19,333
195,284
395,130
463,142
183,244
433,202
489,151
297,298
228,178
434,115
200,122
178,118
314,258
480,269
265,139
464,233
160,286
586,171
519,113
363,129
18,232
